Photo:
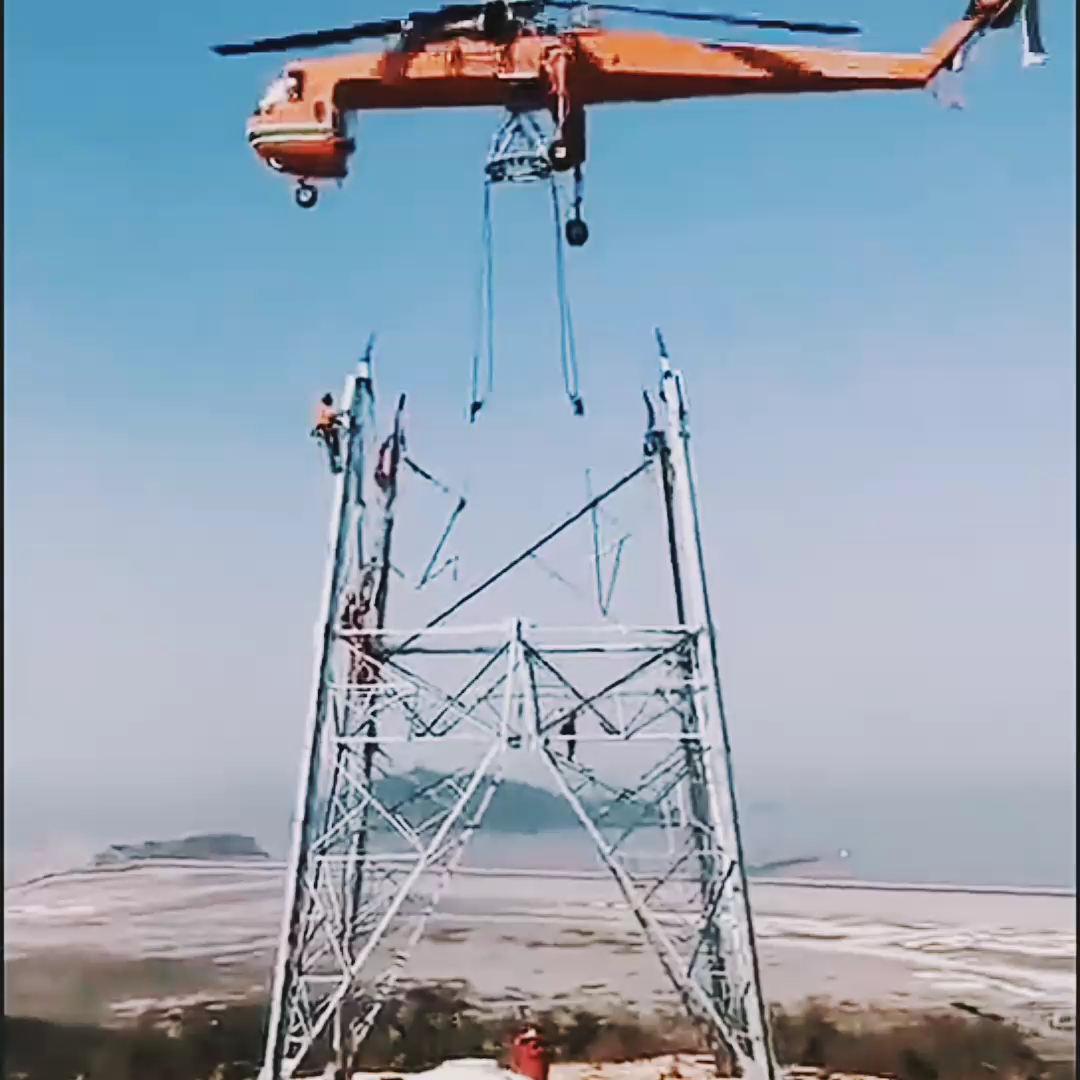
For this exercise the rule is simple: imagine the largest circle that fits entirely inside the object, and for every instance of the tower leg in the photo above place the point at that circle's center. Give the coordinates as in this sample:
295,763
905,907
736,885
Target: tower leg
285,983
733,979
348,898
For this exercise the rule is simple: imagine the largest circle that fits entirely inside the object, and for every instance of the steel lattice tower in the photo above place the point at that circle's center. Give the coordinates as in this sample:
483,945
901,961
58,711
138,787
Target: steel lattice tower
372,852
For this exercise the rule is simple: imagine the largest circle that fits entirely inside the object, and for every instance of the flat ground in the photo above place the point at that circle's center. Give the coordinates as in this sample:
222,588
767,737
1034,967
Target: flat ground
104,944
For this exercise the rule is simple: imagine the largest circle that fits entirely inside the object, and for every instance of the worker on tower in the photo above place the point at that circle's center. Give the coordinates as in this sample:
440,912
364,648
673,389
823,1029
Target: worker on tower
569,730
328,429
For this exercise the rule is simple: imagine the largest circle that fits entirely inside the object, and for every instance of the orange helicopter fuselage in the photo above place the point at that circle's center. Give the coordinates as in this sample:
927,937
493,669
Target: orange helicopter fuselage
301,131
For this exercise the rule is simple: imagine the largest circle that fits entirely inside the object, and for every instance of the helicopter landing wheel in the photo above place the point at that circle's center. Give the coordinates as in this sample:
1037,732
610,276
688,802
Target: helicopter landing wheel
306,196
577,232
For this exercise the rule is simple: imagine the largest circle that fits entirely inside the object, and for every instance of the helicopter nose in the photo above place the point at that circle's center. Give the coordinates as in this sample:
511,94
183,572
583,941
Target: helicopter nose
307,154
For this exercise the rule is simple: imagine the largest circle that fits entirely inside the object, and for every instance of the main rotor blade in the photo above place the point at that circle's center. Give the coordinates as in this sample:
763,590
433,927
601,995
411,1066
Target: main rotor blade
715,17
448,13
316,38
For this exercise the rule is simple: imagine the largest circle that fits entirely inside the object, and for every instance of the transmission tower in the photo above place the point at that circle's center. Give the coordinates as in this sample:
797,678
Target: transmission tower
625,722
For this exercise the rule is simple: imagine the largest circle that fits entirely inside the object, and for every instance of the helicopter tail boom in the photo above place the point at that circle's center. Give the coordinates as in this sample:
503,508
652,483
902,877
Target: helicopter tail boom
630,66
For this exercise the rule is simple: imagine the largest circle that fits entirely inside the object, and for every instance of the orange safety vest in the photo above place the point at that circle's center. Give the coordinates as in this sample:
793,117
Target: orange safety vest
325,417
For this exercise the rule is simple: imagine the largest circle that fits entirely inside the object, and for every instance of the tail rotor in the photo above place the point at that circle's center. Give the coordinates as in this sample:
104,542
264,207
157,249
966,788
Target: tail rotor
1026,12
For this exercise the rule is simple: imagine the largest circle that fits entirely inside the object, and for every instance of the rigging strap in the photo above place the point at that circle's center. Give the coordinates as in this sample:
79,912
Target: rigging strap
483,360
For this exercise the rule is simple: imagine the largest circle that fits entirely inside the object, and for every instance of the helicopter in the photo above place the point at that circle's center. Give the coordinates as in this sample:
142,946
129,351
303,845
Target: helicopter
518,55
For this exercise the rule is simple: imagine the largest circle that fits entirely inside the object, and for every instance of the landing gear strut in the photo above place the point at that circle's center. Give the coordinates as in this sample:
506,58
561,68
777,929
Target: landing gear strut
577,232
306,196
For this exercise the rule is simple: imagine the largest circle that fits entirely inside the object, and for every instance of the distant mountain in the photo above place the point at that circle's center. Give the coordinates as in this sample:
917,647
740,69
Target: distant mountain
525,810
208,846
515,808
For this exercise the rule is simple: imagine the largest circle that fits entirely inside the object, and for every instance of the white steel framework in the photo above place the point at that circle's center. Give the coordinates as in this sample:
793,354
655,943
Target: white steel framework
375,845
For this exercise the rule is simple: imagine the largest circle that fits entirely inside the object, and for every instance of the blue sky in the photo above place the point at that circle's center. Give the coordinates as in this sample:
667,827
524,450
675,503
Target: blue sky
872,298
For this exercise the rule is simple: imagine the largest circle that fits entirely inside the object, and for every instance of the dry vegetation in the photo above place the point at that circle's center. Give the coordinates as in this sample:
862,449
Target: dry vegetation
430,1024
83,987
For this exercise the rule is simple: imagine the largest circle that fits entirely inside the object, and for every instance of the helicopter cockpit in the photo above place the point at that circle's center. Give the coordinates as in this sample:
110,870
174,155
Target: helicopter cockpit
297,129
288,86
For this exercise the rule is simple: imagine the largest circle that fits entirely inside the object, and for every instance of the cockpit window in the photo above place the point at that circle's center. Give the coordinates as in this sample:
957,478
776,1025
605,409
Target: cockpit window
285,88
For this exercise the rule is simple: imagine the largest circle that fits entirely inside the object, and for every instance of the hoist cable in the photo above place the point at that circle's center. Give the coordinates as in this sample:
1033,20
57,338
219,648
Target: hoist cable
484,350
567,348
483,362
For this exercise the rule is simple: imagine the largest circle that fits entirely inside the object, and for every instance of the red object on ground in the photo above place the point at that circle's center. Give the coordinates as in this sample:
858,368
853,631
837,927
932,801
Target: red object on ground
529,1056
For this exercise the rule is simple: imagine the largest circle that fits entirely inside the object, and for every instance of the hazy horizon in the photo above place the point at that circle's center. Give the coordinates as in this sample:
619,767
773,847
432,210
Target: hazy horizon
1004,833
